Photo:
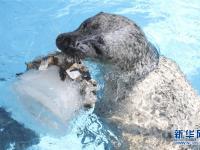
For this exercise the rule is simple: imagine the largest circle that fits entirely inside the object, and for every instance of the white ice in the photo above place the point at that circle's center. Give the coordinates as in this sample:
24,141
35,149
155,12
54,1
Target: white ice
50,102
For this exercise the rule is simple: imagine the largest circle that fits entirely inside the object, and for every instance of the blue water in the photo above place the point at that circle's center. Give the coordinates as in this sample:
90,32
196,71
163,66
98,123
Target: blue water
29,28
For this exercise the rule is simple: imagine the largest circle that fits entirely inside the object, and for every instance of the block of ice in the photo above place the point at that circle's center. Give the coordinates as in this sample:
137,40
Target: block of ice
49,101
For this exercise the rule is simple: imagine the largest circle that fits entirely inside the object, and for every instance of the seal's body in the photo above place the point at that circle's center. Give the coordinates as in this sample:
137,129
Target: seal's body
146,96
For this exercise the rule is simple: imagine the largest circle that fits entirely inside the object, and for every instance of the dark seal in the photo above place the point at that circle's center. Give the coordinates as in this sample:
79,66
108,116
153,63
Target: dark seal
123,49
121,45
114,38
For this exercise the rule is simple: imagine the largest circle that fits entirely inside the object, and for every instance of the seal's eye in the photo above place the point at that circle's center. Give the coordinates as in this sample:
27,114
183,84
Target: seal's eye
90,25
95,26
85,24
100,40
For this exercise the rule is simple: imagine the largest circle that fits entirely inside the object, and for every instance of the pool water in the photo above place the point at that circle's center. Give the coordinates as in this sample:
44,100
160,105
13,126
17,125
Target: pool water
29,28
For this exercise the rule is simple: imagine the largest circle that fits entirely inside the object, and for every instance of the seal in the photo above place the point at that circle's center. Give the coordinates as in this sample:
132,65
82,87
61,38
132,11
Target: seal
112,39
146,96
121,46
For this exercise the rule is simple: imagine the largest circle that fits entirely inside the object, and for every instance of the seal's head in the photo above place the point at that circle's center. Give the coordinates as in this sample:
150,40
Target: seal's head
111,37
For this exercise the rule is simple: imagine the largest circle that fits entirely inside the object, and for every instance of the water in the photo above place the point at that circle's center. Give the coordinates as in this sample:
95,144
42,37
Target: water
29,28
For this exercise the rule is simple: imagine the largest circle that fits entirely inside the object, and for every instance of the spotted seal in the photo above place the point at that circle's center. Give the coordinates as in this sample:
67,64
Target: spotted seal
112,39
144,93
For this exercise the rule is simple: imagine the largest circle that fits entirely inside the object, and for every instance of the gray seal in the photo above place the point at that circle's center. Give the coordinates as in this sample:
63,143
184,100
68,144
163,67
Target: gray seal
146,96
120,45
111,38
123,49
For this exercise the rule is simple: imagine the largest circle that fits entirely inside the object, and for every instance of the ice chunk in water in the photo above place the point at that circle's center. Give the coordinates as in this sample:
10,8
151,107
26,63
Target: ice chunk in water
50,101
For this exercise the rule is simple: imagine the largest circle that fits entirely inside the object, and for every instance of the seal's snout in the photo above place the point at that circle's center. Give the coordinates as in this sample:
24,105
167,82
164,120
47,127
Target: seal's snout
65,41
69,45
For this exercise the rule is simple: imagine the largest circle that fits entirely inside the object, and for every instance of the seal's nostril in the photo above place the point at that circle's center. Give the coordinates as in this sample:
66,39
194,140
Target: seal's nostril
77,44
63,41
59,41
